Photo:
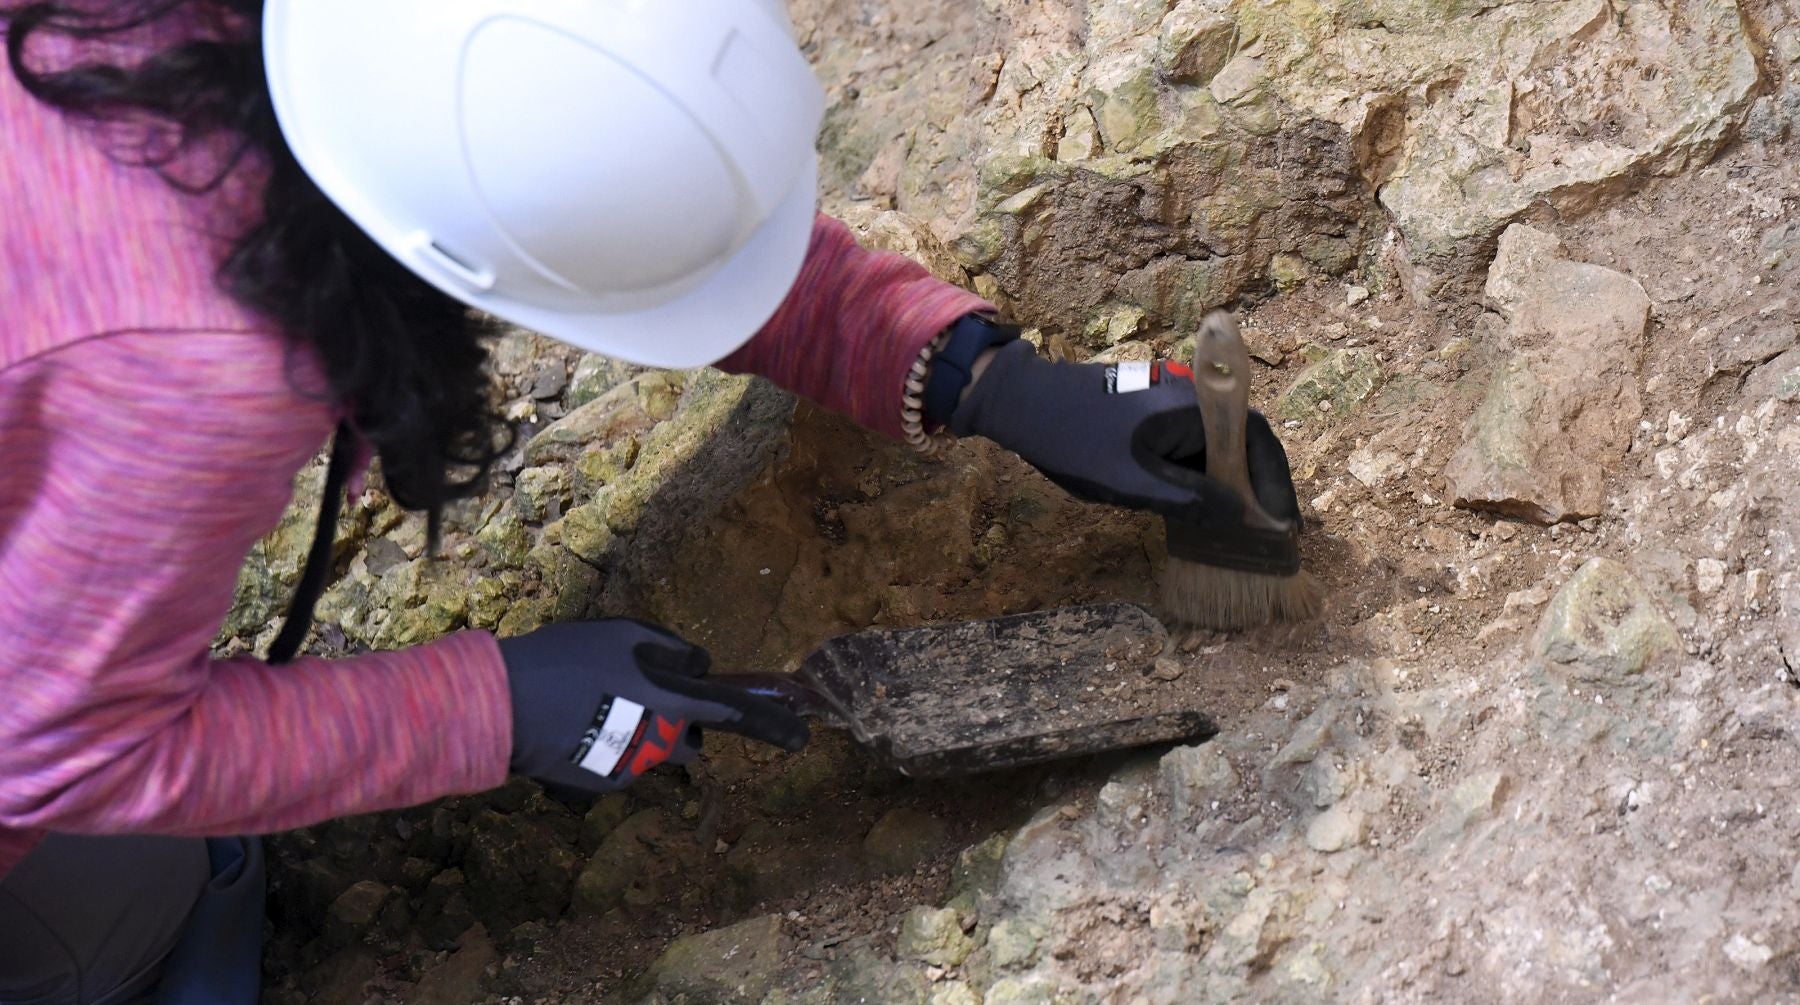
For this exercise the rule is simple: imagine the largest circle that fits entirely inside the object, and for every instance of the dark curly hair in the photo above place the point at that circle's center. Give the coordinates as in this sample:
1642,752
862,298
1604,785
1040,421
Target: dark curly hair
191,102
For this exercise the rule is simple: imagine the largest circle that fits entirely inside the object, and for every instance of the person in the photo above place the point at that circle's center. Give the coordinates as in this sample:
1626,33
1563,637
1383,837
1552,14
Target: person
234,227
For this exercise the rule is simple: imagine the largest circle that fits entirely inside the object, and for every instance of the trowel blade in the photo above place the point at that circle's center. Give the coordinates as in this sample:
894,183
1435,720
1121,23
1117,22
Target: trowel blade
980,695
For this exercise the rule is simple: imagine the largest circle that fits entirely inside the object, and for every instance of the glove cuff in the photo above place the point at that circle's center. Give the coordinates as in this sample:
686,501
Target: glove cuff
953,365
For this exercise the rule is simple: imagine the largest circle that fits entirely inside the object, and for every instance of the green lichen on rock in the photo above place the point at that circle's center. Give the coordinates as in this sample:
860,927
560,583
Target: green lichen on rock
618,413
933,935
1127,110
539,491
594,376
1014,942
266,580
1603,623
427,600
1115,324
505,538
1343,379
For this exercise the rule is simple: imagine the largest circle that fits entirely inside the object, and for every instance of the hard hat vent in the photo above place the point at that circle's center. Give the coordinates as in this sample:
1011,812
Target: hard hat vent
616,196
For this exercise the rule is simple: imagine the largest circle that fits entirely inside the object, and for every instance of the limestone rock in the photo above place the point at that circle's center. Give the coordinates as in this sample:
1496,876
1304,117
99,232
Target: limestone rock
622,859
1559,411
1603,623
1196,42
889,230
1335,829
933,935
729,966
1193,778
1514,130
863,976
613,415
1524,254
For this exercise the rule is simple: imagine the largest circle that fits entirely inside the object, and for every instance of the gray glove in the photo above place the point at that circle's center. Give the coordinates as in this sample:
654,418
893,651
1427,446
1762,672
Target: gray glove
1126,434
595,704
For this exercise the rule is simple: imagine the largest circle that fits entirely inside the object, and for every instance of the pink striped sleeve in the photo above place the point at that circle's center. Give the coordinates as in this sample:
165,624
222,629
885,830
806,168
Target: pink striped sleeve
139,470
850,329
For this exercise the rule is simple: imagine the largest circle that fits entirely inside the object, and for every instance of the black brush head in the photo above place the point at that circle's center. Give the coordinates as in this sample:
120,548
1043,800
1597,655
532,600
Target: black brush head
1237,547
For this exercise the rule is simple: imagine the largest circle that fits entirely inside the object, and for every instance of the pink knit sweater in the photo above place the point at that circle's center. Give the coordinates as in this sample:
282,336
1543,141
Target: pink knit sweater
149,433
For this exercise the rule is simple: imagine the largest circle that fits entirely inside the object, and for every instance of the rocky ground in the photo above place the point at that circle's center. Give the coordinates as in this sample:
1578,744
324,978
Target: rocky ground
1521,279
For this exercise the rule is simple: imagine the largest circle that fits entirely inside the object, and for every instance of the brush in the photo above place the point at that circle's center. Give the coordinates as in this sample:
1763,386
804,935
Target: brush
1231,578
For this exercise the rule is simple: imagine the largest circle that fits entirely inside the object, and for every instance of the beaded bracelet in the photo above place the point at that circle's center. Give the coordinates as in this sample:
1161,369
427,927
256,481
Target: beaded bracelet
912,403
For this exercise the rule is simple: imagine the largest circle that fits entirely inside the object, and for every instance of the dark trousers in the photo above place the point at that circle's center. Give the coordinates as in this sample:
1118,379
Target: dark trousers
118,920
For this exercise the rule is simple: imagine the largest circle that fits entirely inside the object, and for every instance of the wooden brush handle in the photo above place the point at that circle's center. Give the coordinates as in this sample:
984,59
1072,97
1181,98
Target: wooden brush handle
1222,386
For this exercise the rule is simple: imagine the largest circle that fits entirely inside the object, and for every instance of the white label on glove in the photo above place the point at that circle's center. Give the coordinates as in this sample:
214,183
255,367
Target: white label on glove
608,739
1123,378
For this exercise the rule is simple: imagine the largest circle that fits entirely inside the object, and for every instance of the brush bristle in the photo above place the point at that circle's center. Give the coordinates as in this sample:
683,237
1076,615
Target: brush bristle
1206,596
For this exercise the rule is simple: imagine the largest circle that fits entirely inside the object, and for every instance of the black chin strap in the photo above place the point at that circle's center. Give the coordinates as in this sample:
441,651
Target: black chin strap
318,558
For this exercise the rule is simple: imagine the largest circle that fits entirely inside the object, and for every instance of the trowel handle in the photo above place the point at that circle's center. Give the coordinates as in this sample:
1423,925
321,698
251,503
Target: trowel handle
790,691
1222,387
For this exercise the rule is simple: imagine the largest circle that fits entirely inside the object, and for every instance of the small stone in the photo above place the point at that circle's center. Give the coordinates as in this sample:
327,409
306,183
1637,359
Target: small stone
1356,296
1756,588
1477,797
1194,778
594,376
1336,829
604,817
1167,670
1604,623
1288,272
933,935
1747,954
903,838
1374,468
732,965
1709,576
547,379
355,910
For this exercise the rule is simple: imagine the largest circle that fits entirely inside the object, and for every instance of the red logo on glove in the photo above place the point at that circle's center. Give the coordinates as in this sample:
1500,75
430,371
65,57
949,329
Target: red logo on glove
653,744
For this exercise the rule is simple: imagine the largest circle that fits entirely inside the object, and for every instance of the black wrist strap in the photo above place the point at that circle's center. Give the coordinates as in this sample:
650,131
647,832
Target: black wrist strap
952,366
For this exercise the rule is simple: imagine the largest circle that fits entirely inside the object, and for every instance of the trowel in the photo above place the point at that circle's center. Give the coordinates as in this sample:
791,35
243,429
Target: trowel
956,699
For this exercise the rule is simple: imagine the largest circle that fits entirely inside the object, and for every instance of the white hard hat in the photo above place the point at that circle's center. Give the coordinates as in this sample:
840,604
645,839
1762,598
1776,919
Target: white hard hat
635,177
